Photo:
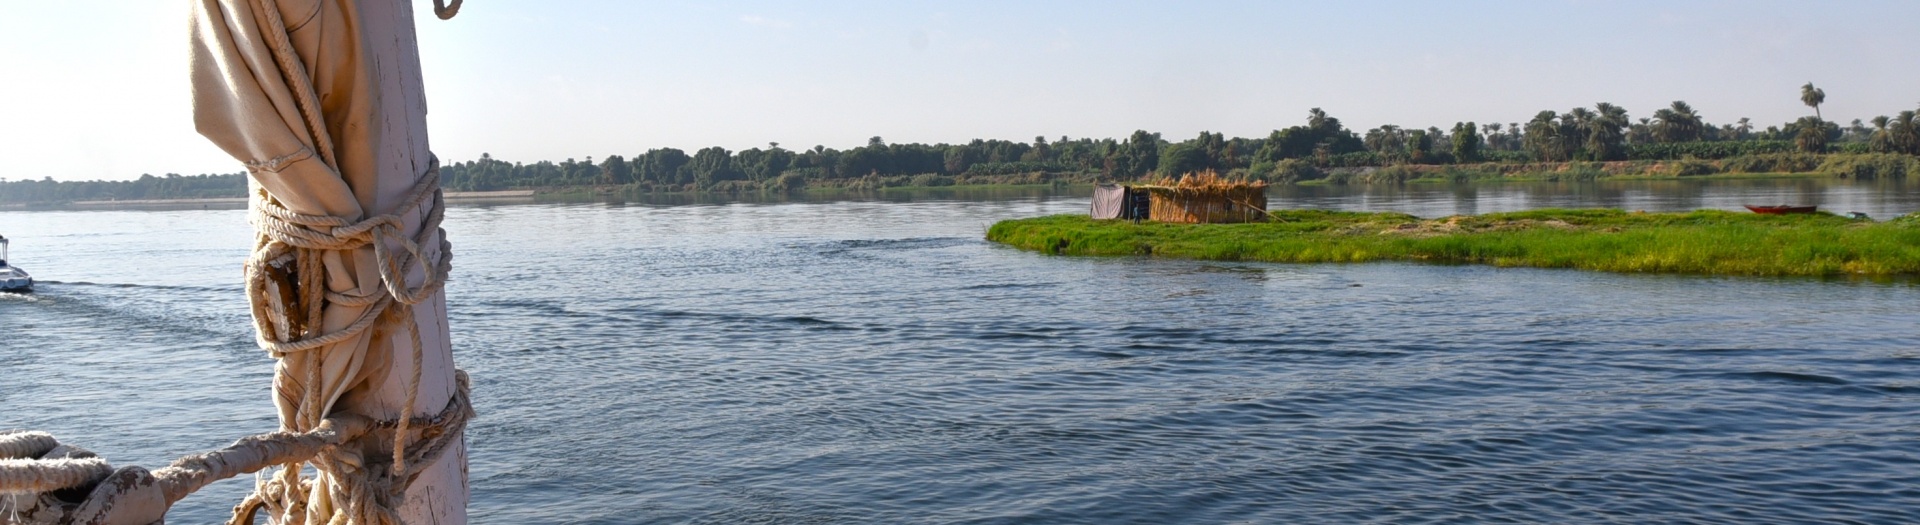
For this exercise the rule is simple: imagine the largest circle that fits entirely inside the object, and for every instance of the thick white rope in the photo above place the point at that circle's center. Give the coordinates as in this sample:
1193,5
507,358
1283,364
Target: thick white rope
16,444
23,476
247,455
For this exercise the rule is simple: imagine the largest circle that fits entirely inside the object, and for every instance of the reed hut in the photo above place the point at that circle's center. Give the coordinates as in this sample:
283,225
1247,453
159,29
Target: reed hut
1206,198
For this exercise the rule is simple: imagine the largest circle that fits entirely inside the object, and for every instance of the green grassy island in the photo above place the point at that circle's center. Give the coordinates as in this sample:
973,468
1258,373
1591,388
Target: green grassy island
1706,242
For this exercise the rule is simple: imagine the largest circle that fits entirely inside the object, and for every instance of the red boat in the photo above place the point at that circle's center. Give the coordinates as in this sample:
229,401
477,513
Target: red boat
1782,210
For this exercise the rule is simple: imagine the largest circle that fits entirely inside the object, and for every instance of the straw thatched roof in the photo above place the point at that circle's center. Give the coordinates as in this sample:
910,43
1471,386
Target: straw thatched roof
1206,198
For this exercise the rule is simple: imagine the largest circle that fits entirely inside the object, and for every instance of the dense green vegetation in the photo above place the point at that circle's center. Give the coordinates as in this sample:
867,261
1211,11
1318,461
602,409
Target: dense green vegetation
1319,149
171,186
1580,143
1700,242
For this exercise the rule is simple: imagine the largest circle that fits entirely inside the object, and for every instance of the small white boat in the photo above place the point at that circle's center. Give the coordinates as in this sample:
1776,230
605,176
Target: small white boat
12,279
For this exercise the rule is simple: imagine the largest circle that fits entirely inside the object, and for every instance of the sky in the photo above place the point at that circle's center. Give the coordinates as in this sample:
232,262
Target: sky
98,89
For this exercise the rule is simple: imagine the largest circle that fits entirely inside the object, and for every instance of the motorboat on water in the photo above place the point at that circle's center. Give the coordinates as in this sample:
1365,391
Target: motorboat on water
12,279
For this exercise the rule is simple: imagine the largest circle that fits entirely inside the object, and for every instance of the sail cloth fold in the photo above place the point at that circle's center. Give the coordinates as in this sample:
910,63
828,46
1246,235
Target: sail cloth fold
322,100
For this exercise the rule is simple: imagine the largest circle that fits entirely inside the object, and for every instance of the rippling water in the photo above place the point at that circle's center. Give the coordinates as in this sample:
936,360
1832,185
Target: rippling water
875,362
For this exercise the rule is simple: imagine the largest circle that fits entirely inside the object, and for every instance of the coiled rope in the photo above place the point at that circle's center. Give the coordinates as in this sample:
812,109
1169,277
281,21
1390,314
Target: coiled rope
23,471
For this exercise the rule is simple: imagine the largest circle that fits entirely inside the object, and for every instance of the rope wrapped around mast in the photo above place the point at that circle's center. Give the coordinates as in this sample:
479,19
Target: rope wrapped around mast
287,236
287,289
257,97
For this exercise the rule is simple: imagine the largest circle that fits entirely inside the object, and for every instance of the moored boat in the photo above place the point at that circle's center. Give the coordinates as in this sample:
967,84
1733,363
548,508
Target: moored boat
12,279
1782,209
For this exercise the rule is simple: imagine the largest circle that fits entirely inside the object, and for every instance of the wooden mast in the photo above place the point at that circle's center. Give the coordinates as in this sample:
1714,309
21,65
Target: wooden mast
439,495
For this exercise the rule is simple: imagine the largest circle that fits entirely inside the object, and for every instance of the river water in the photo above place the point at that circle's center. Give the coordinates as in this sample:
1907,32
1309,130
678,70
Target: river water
874,361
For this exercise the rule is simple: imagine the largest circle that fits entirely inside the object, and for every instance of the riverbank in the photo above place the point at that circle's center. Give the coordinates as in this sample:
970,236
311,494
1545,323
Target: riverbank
230,190
231,202
1708,242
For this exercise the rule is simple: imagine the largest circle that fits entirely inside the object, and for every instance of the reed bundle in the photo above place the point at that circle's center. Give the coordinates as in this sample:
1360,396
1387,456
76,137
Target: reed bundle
1206,197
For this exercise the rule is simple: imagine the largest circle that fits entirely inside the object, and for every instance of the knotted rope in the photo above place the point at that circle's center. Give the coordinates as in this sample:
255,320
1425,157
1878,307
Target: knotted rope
286,286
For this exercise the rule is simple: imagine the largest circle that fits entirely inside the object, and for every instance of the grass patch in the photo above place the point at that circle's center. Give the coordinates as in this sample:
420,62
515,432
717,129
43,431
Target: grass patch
1707,242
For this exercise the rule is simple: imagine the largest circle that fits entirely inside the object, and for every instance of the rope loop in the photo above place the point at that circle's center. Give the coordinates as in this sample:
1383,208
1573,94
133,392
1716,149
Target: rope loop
288,233
446,11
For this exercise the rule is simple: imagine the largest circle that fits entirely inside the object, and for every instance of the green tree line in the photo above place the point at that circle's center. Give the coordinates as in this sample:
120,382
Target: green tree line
1604,132
169,186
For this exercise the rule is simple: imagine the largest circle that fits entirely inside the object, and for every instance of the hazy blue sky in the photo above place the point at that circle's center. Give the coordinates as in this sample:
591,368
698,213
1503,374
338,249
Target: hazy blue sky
98,89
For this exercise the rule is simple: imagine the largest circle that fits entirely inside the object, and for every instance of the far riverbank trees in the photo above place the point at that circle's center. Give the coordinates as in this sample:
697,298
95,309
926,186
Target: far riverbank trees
1602,133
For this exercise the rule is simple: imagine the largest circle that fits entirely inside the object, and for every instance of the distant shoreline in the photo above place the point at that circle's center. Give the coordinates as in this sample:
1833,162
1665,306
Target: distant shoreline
242,201
452,195
1399,174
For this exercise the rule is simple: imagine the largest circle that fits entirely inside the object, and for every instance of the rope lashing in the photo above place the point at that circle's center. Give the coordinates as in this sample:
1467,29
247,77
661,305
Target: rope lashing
286,286
28,474
288,231
254,453
287,278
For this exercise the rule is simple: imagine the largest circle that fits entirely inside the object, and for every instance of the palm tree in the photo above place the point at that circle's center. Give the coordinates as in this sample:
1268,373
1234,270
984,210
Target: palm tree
1574,127
1812,135
1611,111
1387,141
1678,123
1906,139
1882,139
1664,124
1605,137
1813,97
1543,136
1495,140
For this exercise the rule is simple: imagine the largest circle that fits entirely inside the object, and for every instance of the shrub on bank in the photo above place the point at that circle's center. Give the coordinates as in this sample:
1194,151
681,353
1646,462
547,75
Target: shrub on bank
788,181
931,180
1772,163
1707,150
1690,168
1286,171
1870,166
1578,171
